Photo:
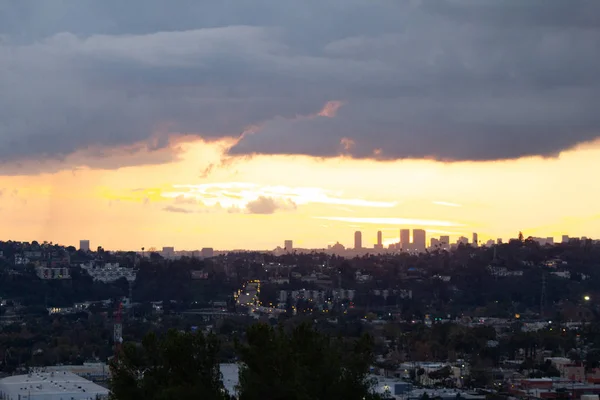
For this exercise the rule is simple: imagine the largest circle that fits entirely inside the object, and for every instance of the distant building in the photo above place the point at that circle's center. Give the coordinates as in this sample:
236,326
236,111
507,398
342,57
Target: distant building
490,243
50,385
435,243
358,240
544,241
445,242
499,241
21,260
379,244
463,240
84,245
419,239
168,252
565,238
288,245
337,248
108,272
405,239
53,273
475,239
95,372
207,252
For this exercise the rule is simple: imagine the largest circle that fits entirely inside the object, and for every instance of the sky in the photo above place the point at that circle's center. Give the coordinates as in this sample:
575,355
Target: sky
237,125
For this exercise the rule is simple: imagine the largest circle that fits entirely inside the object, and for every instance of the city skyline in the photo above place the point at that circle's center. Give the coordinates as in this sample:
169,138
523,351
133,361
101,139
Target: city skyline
442,242
206,127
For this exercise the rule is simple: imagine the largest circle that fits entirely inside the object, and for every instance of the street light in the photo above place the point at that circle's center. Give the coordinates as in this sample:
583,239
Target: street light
586,298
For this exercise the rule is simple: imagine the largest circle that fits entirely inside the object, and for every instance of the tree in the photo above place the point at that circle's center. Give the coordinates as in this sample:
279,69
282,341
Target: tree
178,365
443,373
592,359
303,364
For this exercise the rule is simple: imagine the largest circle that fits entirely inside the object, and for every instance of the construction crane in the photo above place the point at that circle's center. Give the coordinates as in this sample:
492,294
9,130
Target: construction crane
118,331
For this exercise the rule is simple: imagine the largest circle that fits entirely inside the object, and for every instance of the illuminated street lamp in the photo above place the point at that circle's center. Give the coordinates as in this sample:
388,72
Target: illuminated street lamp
586,298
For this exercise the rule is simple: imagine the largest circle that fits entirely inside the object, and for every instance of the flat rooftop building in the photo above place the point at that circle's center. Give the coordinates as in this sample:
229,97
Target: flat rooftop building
50,386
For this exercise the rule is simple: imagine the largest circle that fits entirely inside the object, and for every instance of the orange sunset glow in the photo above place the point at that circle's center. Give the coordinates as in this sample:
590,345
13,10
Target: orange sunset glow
313,201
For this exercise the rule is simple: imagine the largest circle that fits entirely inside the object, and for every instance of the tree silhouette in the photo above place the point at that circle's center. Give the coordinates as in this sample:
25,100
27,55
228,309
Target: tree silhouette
178,365
303,364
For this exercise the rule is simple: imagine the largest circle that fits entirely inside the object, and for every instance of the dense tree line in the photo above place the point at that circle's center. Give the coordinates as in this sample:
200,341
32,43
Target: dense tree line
279,364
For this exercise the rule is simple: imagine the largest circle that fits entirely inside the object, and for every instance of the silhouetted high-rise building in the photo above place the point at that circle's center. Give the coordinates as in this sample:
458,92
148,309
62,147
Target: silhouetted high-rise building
419,239
357,240
445,242
379,244
475,239
84,245
405,239
288,245
565,238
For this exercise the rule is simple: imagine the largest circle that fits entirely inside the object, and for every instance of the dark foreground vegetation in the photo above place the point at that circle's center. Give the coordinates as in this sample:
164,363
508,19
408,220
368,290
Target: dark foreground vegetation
276,364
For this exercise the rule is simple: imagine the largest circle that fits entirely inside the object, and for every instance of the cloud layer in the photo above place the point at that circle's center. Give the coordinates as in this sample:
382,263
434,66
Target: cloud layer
443,79
268,205
257,199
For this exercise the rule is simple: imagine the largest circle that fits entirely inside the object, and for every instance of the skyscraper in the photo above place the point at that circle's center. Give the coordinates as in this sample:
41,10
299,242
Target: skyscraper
405,239
419,239
84,245
445,242
357,240
475,239
379,244
288,245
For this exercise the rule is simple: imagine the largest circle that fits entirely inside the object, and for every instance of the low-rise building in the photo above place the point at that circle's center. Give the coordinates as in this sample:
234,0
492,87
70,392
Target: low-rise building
109,272
572,371
93,371
50,386
53,273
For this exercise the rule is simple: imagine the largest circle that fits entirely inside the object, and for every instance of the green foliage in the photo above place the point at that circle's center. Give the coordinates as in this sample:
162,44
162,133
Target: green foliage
303,365
178,365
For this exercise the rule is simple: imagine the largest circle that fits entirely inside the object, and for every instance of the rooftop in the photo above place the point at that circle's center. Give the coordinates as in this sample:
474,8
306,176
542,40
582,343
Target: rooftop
51,383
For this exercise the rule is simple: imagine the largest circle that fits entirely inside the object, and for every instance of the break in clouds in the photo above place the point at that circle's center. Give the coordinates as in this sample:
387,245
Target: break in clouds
450,80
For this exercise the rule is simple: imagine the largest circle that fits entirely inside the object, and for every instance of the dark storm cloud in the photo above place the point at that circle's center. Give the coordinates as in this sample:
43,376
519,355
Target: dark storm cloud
451,80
